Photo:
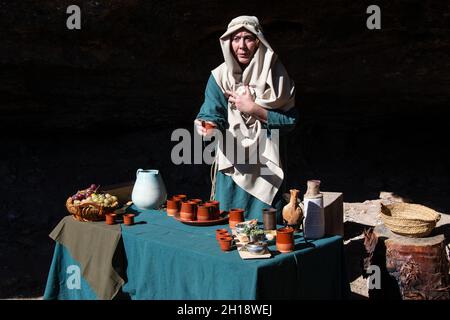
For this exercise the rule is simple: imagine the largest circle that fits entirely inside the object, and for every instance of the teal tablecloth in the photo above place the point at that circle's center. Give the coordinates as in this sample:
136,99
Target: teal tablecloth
167,259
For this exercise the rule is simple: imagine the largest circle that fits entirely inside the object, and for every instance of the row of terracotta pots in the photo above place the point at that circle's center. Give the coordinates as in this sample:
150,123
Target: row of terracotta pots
224,239
284,239
111,218
193,209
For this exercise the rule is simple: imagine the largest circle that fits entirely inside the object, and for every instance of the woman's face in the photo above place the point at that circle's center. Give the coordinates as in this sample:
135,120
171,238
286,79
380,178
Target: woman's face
243,45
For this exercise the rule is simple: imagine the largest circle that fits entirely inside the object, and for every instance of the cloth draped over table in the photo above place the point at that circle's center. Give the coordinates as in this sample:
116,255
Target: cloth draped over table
274,90
93,245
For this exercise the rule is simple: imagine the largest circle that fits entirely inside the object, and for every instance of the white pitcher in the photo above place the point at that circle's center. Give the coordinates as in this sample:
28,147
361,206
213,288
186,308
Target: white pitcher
149,191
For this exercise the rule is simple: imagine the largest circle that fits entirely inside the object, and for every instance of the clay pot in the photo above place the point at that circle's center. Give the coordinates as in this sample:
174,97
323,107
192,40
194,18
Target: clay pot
285,239
128,219
208,125
110,218
270,219
173,207
216,211
187,211
225,243
221,233
203,213
236,216
212,211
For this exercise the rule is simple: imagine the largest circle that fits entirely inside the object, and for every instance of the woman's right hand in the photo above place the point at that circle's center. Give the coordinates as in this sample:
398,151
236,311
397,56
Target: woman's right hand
204,131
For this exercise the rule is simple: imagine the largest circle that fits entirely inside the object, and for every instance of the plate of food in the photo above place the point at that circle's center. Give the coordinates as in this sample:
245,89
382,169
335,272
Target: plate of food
223,217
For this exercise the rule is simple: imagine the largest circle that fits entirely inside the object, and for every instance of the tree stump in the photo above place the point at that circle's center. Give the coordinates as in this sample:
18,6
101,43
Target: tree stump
419,265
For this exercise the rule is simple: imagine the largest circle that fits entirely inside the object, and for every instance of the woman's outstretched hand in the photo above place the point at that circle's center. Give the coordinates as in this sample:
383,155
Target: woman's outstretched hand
204,128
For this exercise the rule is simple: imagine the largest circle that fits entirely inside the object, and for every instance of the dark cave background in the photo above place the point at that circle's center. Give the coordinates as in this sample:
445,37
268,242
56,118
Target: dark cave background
93,105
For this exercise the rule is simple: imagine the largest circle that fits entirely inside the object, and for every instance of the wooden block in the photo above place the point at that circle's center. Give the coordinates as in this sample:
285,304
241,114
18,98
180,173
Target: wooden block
333,203
419,265
122,191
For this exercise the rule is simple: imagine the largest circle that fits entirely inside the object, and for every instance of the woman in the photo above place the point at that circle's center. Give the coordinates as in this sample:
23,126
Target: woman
249,97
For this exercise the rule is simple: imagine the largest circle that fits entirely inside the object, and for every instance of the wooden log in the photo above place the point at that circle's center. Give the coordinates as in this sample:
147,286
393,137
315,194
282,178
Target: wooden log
419,265
333,203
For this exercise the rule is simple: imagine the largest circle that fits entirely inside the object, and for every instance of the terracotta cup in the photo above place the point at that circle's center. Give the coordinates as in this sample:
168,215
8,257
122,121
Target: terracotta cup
270,219
173,206
207,125
285,239
220,233
212,211
187,211
110,218
216,210
225,243
203,213
128,219
236,216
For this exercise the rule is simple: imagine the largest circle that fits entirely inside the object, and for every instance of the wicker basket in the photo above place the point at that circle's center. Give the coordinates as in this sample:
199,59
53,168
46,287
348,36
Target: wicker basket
410,220
89,211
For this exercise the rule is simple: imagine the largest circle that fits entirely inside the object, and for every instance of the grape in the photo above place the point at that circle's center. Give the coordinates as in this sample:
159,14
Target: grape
93,186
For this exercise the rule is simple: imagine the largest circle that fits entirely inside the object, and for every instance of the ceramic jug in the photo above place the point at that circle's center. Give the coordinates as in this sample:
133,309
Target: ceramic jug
149,191
292,212
314,224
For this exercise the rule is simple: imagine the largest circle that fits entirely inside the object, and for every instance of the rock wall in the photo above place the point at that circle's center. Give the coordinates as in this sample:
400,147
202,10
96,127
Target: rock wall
133,59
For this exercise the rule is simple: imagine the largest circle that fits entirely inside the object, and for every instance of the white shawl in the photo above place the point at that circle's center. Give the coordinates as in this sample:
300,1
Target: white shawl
273,89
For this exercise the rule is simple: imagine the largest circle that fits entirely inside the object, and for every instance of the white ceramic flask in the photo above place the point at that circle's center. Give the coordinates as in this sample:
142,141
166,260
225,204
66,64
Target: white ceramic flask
149,191
314,224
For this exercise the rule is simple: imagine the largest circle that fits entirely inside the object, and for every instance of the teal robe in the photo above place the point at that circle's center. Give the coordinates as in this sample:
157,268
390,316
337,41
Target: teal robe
227,192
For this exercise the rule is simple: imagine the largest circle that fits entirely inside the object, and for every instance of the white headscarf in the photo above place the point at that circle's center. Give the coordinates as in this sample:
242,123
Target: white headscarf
273,88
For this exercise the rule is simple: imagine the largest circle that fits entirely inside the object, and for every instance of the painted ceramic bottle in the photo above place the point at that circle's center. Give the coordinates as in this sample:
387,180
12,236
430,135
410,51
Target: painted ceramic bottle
149,191
314,224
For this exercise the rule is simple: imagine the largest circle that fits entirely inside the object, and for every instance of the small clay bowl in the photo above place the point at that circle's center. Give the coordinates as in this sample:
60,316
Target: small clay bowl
221,233
110,218
256,247
128,219
225,243
207,125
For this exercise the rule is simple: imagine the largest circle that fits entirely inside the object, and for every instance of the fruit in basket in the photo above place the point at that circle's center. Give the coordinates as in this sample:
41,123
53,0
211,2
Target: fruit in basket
91,204
92,195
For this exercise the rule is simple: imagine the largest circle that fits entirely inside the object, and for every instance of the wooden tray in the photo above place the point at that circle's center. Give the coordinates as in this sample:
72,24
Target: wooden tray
244,254
222,219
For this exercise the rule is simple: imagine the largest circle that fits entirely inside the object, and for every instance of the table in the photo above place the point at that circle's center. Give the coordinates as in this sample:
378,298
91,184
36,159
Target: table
162,258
